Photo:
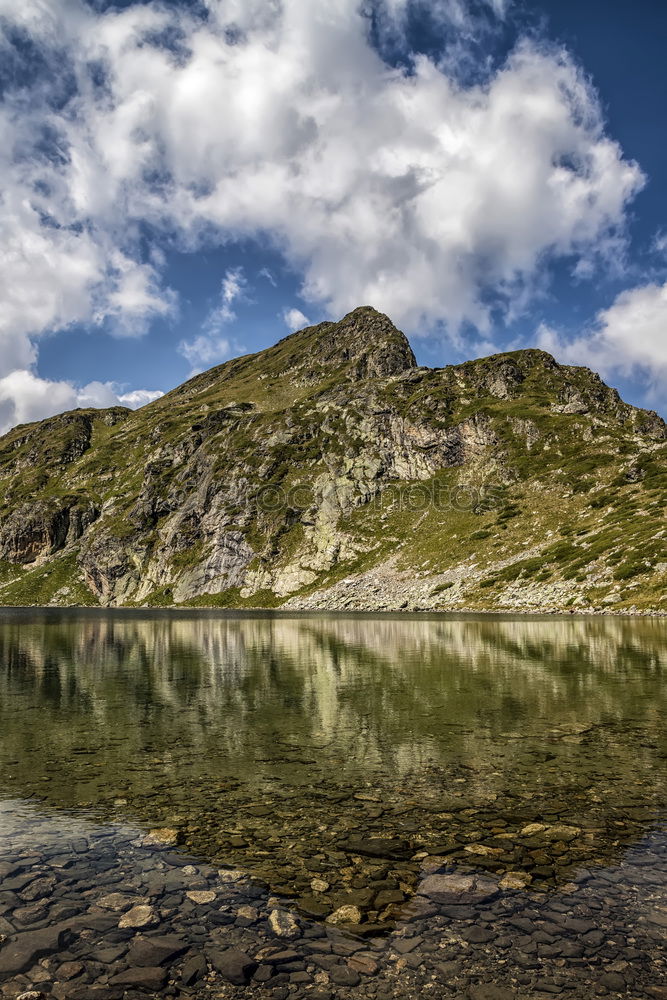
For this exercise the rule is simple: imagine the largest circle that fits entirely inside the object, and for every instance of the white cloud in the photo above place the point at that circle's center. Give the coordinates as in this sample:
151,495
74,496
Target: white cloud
134,298
211,347
295,319
266,273
628,338
409,191
233,289
204,351
413,191
139,397
25,397
659,244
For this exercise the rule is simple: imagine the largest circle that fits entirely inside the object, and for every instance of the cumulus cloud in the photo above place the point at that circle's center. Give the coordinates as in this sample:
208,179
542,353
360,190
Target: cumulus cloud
139,397
401,188
628,338
434,199
295,319
25,397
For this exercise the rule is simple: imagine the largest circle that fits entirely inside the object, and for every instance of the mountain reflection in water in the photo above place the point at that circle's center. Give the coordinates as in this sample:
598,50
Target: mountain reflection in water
233,729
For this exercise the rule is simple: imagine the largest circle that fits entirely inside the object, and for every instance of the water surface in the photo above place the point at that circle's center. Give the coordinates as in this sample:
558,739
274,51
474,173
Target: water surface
360,752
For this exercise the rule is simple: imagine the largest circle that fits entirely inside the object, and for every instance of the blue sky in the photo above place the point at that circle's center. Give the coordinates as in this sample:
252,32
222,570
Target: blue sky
187,182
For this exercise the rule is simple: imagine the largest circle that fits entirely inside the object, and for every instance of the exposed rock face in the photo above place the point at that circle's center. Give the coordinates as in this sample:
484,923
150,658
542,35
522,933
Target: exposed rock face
43,527
279,475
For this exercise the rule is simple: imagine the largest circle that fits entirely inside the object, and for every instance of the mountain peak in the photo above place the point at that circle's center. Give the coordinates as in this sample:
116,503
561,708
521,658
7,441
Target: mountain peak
365,341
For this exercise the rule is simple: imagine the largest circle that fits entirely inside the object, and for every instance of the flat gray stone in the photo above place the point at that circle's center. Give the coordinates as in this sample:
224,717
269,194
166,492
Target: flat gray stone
234,965
154,951
26,949
143,979
458,889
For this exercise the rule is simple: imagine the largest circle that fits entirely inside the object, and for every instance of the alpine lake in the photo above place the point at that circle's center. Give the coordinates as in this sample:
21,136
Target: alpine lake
218,805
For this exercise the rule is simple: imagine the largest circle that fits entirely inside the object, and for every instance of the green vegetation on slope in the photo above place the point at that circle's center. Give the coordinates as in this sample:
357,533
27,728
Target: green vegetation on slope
331,458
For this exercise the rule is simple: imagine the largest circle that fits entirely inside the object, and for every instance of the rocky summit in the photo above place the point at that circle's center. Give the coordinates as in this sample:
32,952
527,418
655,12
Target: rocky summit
331,472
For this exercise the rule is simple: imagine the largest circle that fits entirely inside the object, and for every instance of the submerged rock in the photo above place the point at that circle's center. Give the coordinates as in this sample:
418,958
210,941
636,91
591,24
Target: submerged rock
454,888
284,925
236,967
345,915
515,880
139,917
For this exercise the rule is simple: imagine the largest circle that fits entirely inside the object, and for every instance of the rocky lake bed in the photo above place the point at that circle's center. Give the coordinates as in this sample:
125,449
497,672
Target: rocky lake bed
328,808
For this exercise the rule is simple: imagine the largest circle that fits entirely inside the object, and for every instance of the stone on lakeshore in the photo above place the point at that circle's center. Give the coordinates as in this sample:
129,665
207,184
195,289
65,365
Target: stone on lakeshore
164,836
319,885
148,951
561,832
32,995
263,973
94,920
405,945
230,875
388,897
284,925
483,851
313,906
515,880
201,897
343,975
30,914
39,889
378,847
284,957
193,970
345,915
70,970
370,930
532,829
479,935
364,964
236,967
106,992
448,889
118,902
151,979
28,948
139,917
613,981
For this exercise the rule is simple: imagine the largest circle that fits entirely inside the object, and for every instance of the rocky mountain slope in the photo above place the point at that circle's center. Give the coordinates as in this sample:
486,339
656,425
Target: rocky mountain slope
331,472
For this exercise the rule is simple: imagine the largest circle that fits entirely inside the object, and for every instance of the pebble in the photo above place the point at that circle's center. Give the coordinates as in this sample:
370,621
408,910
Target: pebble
139,917
515,880
343,975
284,925
161,837
201,898
466,925
345,915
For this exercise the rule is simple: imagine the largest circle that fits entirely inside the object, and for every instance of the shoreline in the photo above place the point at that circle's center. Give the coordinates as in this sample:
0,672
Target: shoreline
348,612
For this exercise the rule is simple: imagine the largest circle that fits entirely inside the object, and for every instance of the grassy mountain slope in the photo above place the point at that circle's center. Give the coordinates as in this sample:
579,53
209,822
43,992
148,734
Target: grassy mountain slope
331,471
